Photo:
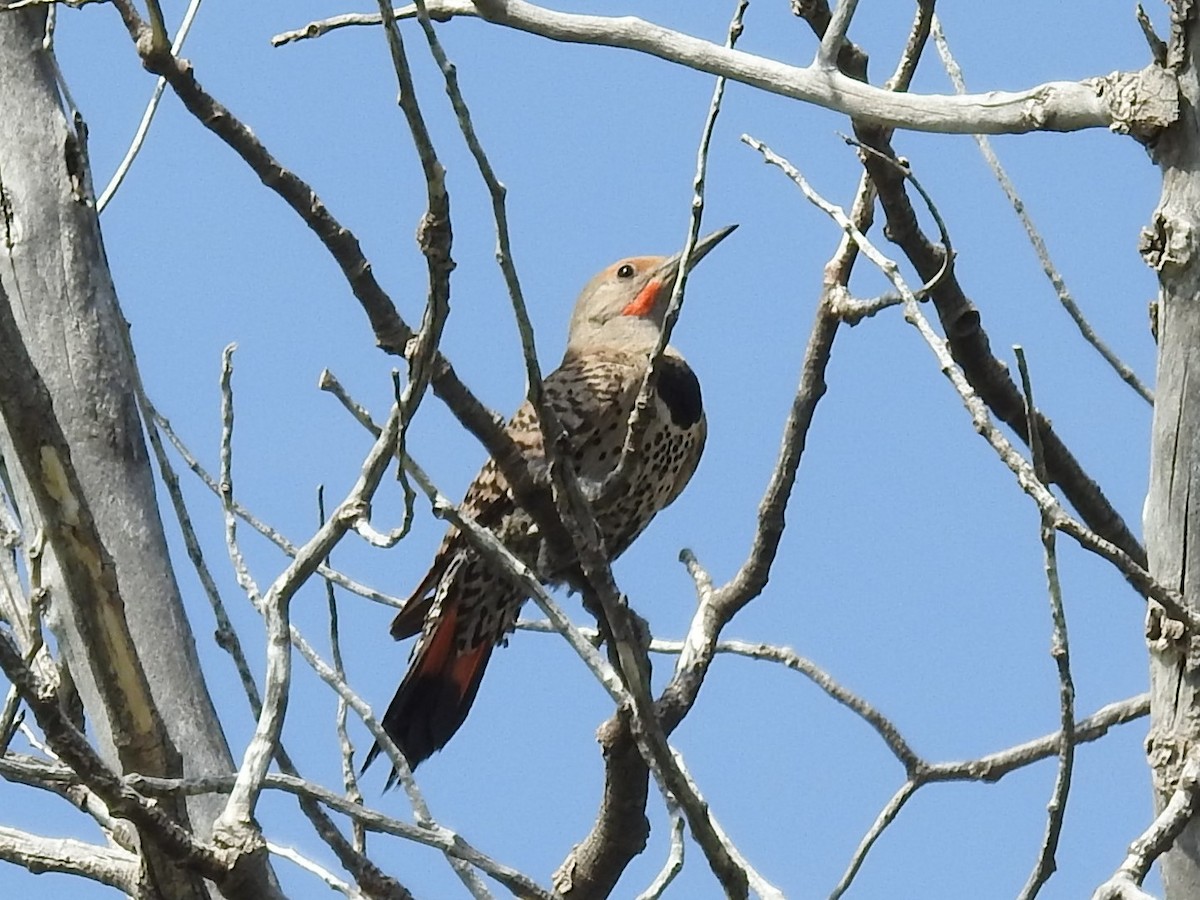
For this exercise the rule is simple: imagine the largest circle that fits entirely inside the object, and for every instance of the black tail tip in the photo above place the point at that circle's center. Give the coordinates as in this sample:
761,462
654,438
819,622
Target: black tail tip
394,774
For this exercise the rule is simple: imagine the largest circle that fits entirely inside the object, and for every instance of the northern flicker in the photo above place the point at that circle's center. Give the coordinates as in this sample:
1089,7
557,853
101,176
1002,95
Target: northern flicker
464,607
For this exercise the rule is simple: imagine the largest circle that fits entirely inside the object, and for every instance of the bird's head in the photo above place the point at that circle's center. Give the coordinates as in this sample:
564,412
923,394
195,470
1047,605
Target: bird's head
625,304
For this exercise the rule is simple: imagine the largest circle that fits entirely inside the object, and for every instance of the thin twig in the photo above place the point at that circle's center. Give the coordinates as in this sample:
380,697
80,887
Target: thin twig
886,816
988,768
434,235
364,871
244,579
914,47
1059,650
717,607
331,881
225,636
1027,478
1158,47
491,549
392,333
497,191
548,424
23,4
993,767
9,720
757,883
349,775
236,819
352,856
617,481
160,422
674,862
961,320
143,129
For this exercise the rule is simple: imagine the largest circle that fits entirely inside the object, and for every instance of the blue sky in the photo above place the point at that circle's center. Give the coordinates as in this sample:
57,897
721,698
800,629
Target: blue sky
911,568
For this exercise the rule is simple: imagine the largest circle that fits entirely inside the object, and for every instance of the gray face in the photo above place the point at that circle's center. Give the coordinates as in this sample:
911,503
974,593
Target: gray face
624,305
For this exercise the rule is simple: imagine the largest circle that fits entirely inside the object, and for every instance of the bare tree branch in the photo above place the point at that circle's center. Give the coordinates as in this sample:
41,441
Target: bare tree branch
1046,864
1055,106
159,422
154,824
674,862
368,876
89,575
1170,599
835,34
960,319
1179,810
116,868
391,332
886,817
969,345
1122,369
718,606
235,824
330,880
429,834
635,741
434,235
143,129
595,864
1053,515
989,768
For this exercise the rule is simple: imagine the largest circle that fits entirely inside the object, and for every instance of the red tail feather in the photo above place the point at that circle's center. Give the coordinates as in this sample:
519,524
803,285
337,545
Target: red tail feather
436,694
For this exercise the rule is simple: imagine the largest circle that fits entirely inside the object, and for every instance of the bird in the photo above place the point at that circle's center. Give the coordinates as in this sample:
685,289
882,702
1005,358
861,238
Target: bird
464,606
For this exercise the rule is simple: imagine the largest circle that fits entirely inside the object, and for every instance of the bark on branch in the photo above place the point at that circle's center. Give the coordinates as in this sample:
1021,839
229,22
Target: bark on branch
73,444
1140,103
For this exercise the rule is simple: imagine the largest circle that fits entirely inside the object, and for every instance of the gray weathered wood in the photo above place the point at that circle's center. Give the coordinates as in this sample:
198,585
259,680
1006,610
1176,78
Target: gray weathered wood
55,277
1172,514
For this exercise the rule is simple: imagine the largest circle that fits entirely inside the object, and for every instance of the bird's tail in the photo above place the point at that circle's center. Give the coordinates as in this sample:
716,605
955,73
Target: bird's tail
435,696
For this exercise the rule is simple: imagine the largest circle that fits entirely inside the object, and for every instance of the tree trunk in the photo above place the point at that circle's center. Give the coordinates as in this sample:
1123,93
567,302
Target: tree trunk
1172,514
54,275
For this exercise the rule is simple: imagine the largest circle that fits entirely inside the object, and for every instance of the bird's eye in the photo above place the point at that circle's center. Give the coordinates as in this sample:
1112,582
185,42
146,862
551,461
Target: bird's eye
626,271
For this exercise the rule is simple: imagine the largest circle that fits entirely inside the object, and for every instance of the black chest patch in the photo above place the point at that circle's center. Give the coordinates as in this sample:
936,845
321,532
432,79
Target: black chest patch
679,389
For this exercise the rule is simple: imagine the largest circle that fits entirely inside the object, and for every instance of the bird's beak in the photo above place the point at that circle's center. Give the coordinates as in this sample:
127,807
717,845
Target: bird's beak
670,268
662,280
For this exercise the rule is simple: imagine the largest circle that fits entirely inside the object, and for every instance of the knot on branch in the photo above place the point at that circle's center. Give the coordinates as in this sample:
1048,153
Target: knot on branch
1142,104
1166,754
353,512
1168,241
1163,634
434,237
